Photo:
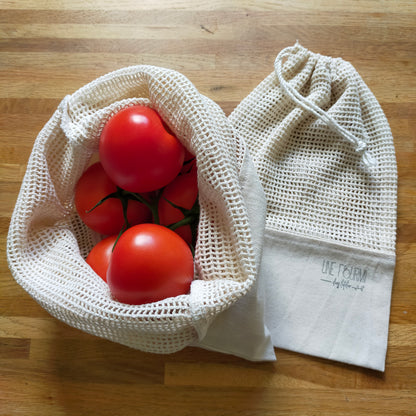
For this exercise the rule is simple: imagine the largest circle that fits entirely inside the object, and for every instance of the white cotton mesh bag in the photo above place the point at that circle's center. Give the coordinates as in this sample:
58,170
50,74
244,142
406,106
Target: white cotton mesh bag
47,242
324,153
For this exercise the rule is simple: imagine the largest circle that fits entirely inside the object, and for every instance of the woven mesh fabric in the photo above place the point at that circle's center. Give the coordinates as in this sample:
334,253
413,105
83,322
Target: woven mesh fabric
315,181
47,242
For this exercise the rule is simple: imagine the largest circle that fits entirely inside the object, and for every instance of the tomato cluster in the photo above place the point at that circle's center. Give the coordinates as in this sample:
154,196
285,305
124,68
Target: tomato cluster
142,196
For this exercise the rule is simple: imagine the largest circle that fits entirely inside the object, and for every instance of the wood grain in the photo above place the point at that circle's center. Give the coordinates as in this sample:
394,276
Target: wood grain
50,49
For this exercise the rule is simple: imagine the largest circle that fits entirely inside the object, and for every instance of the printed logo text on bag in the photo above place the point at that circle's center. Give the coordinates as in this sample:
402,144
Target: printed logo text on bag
344,276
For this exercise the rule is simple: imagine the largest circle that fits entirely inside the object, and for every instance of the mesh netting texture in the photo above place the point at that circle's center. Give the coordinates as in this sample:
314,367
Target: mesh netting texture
324,152
47,242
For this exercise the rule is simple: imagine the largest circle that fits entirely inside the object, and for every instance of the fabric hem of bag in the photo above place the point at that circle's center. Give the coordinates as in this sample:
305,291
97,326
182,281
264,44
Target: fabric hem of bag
301,240
334,361
244,356
270,233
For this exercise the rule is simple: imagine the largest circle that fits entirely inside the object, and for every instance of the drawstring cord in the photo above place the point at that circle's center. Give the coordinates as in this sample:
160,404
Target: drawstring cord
360,146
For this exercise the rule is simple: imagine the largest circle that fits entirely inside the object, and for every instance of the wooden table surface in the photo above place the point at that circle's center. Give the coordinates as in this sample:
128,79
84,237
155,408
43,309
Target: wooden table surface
51,48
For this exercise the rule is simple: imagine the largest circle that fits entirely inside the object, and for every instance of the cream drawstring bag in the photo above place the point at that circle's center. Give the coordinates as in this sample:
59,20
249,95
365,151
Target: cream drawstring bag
325,157
47,243
295,249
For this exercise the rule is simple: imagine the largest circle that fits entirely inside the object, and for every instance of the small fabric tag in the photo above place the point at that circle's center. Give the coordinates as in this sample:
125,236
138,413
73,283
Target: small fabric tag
327,300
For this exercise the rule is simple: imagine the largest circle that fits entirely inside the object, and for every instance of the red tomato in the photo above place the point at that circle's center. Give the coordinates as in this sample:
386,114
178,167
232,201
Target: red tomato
183,192
149,263
106,218
99,256
137,151
188,165
188,155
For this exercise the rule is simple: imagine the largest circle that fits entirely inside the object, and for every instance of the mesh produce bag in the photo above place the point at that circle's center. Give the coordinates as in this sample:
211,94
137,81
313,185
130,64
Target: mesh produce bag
47,241
324,153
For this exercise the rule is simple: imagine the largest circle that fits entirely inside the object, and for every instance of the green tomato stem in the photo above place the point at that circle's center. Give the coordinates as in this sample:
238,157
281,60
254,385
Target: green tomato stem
152,205
184,221
113,195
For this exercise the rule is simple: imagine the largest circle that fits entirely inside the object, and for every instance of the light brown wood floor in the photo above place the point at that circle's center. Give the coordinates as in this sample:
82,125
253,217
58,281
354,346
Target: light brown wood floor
51,48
